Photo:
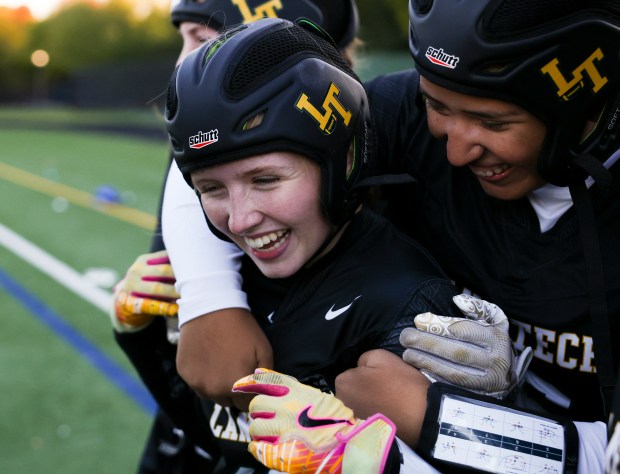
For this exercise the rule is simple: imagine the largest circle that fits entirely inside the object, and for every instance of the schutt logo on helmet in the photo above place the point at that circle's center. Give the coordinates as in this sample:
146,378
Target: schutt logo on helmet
441,58
202,139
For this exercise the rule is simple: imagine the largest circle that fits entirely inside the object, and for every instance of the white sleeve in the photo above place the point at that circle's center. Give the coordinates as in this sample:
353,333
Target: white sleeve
612,453
206,268
592,444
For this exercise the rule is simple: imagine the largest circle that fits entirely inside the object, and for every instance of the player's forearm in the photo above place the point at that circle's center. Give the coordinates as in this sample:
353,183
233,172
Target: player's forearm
217,349
383,383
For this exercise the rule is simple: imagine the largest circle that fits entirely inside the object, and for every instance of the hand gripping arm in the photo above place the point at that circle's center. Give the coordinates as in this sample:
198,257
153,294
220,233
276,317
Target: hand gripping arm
146,291
474,352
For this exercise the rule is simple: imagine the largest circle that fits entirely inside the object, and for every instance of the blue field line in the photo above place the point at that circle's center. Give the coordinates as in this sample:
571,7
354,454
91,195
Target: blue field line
110,369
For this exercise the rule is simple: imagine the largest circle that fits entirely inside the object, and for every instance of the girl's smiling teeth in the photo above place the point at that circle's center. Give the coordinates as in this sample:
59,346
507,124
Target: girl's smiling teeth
272,241
487,172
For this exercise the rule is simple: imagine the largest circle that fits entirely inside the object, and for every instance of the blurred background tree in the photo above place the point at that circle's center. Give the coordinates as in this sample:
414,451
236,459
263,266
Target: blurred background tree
384,24
15,26
110,54
82,35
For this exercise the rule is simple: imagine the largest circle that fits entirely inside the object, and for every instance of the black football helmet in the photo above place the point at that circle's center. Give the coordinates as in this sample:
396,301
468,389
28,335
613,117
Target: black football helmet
338,17
558,59
291,76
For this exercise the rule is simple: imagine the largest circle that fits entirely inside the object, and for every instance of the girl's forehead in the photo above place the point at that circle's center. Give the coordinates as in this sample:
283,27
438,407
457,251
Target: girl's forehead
470,103
273,161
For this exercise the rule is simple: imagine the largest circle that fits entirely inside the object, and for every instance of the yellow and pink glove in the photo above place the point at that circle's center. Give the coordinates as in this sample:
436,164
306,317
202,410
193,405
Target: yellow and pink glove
146,291
299,429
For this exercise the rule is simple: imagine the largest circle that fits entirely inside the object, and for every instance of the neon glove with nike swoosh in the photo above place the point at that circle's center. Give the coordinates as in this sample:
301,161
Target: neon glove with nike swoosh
299,429
146,291
474,352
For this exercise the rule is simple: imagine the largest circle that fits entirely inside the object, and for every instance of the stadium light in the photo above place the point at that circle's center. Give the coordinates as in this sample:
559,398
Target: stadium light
40,58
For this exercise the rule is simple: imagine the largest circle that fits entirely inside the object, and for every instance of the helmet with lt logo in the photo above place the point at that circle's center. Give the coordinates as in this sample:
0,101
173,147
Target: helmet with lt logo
338,17
559,60
273,85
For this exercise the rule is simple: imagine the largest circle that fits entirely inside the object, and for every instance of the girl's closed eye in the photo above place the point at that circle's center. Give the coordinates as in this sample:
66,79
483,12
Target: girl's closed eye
266,180
207,189
495,126
433,105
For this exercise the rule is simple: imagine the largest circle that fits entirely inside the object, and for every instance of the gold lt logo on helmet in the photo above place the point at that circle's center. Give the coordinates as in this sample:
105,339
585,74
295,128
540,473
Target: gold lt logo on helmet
264,10
566,89
326,120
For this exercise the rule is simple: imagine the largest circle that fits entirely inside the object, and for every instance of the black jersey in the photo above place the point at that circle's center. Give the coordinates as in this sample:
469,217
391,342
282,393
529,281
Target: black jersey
371,285
359,297
496,249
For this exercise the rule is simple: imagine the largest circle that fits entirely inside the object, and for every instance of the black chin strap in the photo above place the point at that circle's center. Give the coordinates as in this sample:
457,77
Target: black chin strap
384,179
599,313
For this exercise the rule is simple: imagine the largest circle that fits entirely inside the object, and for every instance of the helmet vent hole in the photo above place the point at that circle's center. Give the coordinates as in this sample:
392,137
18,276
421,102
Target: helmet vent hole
514,17
254,122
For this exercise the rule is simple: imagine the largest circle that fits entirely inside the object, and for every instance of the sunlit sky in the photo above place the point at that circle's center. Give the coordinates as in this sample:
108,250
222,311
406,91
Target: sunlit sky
42,8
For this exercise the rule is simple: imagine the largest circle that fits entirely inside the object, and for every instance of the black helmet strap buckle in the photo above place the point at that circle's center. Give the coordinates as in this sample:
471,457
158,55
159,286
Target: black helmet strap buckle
594,168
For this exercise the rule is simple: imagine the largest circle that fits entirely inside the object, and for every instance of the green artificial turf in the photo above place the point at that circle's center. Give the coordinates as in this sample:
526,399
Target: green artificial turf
58,412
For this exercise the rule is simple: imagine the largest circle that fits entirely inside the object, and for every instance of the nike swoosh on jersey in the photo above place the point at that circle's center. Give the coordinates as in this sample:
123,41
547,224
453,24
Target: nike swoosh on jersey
308,422
331,314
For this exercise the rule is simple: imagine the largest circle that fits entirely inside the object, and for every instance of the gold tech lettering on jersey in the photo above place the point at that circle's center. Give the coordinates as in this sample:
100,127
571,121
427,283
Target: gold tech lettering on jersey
331,104
568,88
264,10
567,349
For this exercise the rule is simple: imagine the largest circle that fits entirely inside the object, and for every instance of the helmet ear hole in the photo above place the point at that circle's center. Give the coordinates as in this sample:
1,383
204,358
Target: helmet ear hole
172,101
254,122
350,158
176,145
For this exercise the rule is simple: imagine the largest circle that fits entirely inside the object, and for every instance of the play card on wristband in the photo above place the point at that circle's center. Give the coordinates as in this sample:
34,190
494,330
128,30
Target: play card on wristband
464,431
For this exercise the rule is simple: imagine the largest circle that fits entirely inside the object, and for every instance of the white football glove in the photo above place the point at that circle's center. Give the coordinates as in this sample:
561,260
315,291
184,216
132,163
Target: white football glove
474,352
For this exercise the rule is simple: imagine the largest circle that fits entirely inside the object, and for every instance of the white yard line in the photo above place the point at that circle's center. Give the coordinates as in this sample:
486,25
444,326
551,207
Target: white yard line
59,271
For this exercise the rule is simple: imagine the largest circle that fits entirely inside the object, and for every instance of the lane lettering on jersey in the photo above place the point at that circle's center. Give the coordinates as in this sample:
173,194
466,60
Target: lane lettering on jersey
332,314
